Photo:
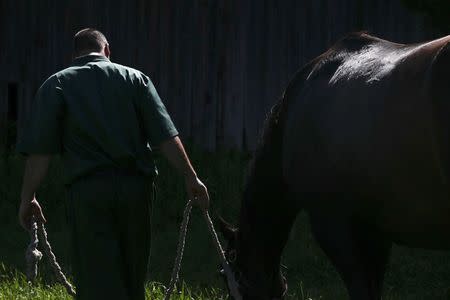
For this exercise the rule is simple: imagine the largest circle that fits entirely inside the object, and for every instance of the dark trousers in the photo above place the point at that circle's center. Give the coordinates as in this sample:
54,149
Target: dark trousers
109,217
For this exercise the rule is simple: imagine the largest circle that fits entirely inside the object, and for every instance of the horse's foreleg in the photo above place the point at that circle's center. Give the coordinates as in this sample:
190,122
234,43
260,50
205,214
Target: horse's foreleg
359,254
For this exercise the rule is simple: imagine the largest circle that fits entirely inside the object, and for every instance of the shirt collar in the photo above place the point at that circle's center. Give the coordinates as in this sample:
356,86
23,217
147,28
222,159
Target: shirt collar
82,60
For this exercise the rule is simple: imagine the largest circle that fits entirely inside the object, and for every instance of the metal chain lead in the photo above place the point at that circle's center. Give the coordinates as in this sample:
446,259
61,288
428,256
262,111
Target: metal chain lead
232,284
180,250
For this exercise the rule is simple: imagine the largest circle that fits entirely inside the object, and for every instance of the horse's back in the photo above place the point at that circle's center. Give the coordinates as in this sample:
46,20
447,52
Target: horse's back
362,127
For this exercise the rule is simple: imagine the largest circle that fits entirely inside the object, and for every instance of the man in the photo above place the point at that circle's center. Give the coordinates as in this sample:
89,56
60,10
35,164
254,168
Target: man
102,117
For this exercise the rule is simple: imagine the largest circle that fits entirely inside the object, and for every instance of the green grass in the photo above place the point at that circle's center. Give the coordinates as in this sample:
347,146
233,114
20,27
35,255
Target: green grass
18,288
412,274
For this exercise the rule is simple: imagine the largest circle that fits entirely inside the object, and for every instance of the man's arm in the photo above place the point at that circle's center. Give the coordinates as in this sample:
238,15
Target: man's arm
174,151
35,170
160,131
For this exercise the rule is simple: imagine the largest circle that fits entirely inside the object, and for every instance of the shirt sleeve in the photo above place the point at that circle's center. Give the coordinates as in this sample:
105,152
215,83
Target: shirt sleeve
42,133
157,124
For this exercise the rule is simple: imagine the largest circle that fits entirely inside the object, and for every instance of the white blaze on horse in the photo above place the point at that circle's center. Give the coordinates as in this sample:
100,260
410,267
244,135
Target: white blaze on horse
360,141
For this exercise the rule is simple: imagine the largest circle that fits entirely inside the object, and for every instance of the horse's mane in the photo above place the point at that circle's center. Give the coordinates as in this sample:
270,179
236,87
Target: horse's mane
274,122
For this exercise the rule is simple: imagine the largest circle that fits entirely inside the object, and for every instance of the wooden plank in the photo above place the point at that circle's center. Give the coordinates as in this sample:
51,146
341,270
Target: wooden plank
3,113
218,64
234,88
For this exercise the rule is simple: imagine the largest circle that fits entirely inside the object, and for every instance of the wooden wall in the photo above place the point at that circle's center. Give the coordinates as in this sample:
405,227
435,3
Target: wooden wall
218,64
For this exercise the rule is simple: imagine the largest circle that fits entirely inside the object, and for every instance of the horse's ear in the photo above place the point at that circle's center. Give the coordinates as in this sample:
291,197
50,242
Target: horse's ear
228,231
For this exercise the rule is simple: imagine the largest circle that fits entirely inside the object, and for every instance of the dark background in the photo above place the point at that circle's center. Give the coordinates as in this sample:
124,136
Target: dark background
218,64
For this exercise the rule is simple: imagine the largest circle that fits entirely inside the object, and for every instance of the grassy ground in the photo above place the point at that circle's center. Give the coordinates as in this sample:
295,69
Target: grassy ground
412,274
16,287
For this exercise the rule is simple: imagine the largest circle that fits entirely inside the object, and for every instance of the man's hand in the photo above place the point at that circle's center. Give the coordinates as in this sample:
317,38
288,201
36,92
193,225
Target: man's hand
27,210
174,151
197,192
35,170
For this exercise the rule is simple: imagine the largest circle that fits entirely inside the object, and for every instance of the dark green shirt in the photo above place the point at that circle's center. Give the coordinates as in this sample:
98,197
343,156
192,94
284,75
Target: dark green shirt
97,114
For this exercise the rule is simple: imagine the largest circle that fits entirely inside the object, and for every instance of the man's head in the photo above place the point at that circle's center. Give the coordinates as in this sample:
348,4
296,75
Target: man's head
90,40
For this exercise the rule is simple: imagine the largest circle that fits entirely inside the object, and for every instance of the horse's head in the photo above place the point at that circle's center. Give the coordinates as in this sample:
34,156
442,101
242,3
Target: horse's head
255,276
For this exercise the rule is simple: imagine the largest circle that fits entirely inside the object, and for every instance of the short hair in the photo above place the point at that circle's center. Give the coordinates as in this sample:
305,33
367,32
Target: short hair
88,40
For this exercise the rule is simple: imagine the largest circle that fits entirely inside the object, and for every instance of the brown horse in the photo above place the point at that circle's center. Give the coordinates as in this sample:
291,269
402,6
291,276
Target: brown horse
360,141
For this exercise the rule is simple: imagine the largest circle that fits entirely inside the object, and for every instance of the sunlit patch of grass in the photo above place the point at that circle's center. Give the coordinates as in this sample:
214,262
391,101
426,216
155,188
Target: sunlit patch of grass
17,287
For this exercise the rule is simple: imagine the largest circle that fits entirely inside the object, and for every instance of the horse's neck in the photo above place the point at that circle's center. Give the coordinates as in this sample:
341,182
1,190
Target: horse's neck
262,231
262,207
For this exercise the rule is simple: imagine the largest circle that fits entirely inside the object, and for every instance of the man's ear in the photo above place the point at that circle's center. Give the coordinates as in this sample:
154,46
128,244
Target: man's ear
107,51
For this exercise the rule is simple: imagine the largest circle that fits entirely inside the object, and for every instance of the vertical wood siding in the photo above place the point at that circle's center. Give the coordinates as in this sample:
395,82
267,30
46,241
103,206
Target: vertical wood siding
218,64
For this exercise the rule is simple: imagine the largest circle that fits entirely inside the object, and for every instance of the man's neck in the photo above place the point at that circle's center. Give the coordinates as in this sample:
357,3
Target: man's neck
91,53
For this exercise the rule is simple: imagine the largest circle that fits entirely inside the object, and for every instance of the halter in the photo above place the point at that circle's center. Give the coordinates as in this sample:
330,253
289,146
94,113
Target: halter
246,287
